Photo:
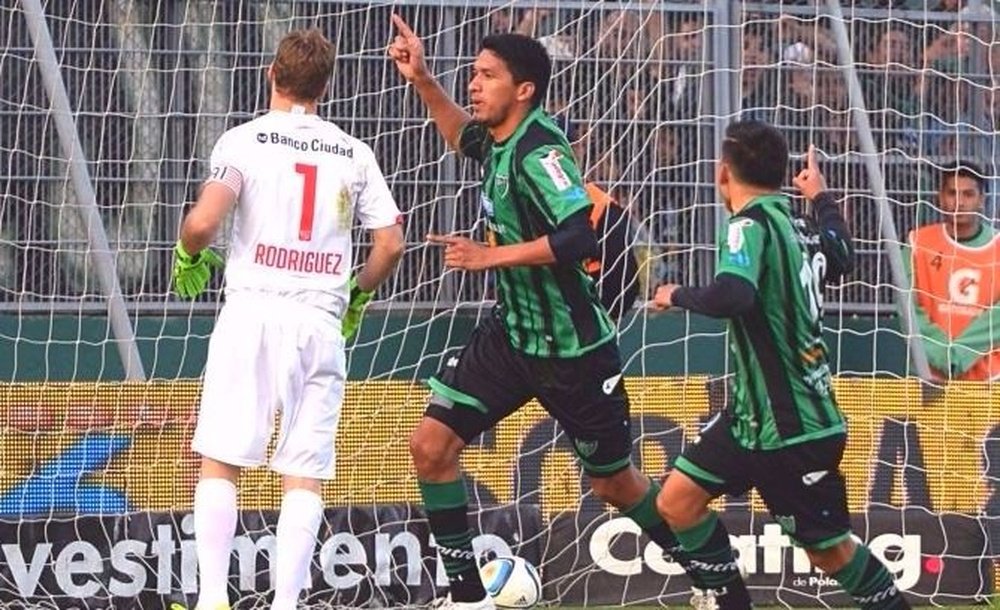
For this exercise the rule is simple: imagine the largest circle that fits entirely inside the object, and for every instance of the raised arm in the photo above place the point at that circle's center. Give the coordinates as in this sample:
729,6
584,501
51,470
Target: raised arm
836,242
407,51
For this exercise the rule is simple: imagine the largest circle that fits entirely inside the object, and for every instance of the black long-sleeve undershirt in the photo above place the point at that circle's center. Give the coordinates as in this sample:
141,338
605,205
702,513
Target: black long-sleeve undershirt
574,239
836,241
726,297
730,295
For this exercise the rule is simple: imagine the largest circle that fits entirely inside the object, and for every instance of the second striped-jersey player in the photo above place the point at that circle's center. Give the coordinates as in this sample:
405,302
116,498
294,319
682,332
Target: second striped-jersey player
782,433
782,394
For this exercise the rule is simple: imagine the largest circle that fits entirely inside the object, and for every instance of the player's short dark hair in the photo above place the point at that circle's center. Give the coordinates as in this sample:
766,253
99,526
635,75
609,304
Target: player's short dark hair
756,153
526,58
964,169
303,65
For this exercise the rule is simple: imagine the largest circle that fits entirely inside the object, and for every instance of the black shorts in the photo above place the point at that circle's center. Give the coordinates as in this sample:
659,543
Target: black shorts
489,380
801,485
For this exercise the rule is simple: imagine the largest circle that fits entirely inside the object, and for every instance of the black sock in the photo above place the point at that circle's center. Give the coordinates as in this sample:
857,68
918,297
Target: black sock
870,583
447,514
707,544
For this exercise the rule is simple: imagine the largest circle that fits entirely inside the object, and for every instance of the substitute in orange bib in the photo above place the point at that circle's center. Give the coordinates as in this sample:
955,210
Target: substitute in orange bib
956,281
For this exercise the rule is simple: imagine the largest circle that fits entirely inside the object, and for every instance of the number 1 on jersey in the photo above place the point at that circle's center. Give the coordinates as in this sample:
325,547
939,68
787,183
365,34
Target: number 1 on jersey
308,199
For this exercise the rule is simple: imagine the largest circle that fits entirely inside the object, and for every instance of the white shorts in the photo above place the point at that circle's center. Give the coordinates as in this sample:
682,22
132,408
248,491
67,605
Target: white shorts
270,355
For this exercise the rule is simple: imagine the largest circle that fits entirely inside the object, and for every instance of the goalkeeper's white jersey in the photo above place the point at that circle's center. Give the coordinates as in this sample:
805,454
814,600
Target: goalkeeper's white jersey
300,182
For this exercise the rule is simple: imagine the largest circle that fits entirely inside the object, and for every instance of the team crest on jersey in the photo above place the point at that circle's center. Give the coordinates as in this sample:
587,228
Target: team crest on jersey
344,209
501,185
550,163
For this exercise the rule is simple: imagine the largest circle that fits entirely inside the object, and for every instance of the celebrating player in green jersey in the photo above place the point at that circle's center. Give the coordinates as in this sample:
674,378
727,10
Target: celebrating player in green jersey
549,337
783,433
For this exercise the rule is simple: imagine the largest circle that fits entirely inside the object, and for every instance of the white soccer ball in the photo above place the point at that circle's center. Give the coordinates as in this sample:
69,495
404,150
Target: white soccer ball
512,581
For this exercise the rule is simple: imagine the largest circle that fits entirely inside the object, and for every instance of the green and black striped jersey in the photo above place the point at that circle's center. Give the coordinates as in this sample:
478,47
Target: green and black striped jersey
531,184
782,391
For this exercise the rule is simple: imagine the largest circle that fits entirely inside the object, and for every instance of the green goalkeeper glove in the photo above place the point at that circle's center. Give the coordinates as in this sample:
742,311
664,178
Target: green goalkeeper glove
191,273
359,299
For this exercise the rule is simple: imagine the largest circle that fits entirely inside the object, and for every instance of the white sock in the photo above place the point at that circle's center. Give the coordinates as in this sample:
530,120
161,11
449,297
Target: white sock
298,523
214,528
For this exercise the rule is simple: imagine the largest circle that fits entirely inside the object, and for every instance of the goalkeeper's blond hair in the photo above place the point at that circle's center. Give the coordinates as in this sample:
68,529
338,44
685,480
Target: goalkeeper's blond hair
303,65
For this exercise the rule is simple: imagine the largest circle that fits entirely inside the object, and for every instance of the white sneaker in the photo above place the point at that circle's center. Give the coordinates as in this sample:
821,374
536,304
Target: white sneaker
446,603
703,599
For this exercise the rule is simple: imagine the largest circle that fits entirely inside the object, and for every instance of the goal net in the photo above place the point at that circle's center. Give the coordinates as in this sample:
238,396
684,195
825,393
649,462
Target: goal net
108,114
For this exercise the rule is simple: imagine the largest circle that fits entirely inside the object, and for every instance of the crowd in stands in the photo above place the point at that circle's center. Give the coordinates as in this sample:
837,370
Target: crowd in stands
643,91
637,94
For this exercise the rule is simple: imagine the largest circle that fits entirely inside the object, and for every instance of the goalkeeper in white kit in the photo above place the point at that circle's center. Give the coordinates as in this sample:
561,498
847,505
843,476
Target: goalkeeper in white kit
297,185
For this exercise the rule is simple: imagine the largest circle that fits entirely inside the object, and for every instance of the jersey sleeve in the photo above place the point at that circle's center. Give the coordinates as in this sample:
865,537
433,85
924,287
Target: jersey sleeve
374,205
552,181
473,141
225,166
742,249
836,241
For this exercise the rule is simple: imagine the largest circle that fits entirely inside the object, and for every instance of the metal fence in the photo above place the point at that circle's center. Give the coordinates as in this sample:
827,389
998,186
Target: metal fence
643,88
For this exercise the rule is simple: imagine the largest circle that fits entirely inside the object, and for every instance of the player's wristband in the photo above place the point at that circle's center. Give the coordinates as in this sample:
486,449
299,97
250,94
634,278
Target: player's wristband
726,297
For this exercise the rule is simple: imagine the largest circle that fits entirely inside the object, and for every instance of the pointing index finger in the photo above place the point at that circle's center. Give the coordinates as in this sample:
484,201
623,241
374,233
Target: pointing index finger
811,157
402,26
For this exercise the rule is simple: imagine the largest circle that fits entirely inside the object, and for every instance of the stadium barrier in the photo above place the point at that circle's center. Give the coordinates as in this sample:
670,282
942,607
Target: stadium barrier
383,556
96,481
